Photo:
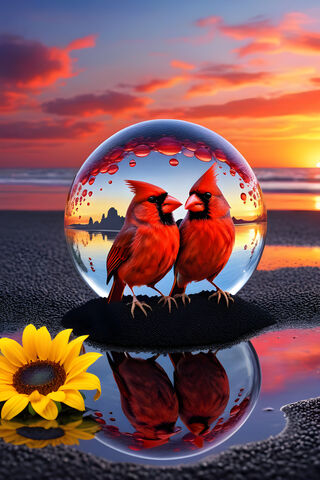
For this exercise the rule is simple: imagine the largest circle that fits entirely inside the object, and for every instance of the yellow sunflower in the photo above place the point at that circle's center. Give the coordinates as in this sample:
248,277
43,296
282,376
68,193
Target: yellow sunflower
43,371
40,433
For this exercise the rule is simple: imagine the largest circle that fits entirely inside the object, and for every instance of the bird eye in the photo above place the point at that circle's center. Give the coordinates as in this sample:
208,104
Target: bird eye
208,195
152,199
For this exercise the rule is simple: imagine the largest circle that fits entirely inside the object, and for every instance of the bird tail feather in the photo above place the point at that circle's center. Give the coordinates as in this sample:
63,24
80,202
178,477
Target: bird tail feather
116,291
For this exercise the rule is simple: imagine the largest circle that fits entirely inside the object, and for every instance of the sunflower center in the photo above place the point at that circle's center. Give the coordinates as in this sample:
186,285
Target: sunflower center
40,433
42,375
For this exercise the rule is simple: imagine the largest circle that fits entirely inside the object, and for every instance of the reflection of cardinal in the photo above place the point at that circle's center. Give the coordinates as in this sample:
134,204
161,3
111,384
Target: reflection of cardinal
147,245
148,399
202,387
207,237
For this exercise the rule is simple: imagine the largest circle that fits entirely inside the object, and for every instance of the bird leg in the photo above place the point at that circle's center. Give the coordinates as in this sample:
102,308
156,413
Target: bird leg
136,302
220,293
166,299
183,297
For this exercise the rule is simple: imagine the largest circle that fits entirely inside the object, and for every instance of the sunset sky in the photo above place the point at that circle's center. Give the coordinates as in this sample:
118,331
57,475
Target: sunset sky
73,73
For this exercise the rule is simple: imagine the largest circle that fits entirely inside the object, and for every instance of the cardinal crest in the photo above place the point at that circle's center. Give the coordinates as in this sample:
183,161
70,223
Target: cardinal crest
207,182
144,190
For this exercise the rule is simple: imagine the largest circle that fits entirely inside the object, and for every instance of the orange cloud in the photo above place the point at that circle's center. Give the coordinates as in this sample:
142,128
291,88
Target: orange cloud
289,34
182,65
109,102
85,42
219,76
301,103
29,66
158,83
47,130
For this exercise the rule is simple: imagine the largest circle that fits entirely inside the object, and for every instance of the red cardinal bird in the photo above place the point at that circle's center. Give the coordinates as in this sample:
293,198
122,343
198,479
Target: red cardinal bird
206,237
147,245
148,398
202,387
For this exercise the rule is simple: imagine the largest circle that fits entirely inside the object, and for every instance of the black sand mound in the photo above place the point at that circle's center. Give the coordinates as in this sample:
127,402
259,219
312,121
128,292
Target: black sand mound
202,322
294,455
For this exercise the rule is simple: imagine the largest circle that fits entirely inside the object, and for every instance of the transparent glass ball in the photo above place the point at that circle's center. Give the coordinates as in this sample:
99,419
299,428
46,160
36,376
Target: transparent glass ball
175,406
171,154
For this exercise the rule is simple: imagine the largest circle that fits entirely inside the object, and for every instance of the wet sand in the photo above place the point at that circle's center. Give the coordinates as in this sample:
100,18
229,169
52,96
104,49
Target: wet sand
40,285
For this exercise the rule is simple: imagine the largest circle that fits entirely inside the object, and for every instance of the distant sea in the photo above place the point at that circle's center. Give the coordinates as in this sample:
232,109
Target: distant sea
293,180
297,188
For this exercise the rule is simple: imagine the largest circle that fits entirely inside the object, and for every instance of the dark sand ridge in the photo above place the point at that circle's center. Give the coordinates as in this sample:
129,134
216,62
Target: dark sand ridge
39,285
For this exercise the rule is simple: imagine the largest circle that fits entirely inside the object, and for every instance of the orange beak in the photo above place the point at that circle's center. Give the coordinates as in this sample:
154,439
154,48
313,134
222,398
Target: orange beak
194,204
170,204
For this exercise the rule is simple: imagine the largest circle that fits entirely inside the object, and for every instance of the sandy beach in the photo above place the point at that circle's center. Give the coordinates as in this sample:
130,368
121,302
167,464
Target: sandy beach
40,285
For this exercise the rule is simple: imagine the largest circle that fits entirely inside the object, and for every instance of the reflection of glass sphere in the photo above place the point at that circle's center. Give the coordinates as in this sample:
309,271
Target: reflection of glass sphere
176,406
171,154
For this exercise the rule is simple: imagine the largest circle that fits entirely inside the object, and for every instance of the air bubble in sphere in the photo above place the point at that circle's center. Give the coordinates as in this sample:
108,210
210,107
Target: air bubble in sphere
173,155
176,406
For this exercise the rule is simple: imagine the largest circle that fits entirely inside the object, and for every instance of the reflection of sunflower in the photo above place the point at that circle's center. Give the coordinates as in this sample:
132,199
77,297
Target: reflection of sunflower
40,433
44,371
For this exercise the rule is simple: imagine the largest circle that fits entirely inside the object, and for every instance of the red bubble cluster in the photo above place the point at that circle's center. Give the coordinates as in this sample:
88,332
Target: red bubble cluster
91,264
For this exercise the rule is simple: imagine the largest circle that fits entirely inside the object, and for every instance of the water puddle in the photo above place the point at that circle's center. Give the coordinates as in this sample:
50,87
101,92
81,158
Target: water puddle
178,408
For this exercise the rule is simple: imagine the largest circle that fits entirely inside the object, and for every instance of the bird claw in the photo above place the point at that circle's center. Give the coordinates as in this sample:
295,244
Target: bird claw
183,297
227,296
167,300
141,305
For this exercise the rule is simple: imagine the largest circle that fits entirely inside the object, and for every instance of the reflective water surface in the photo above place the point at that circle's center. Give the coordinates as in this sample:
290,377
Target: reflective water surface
290,366
179,408
169,407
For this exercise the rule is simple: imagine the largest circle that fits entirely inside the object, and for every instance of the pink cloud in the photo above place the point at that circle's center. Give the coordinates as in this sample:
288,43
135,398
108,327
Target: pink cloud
47,130
29,66
109,102
214,77
181,65
288,34
301,103
158,83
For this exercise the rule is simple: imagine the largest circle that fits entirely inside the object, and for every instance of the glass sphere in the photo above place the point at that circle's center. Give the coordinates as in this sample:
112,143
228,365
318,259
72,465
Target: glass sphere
171,154
169,407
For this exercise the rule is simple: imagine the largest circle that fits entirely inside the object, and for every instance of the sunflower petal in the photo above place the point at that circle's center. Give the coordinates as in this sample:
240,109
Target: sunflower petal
34,396
57,396
6,378
84,381
43,343
72,425
6,366
74,399
6,394
13,351
80,364
14,406
45,407
59,345
83,435
73,350
28,341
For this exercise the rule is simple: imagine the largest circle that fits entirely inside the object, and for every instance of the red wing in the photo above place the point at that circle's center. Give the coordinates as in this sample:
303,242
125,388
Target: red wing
119,252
